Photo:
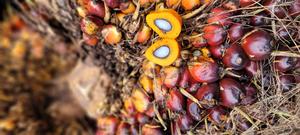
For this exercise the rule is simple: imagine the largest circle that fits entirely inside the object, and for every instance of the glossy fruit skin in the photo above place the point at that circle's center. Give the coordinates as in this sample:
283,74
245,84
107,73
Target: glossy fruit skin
208,92
217,114
90,40
287,82
96,8
257,45
251,95
259,20
231,92
123,129
190,4
204,71
217,51
284,64
236,32
193,87
184,122
235,57
108,125
252,68
151,130
194,110
214,34
184,78
221,16
175,101
91,25
294,9
112,3
286,33
245,3
272,8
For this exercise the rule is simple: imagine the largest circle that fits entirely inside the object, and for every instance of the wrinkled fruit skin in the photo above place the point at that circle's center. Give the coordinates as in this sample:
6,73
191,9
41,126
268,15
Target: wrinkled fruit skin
235,57
208,92
231,92
176,101
204,71
283,63
257,45
214,34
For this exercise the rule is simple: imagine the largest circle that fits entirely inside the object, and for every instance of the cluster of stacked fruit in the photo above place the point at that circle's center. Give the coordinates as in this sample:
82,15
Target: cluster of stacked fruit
188,86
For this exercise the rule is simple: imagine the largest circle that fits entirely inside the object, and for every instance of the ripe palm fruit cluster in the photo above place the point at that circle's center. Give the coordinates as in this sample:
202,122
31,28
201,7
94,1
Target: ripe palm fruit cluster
193,78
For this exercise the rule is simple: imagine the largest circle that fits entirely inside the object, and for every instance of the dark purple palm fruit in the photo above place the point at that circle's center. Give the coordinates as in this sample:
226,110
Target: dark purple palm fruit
231,92
235,57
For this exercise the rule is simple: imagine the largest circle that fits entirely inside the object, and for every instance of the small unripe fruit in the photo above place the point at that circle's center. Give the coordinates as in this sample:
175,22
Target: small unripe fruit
231,92
140,100
257,45
129,106
144,34
198,41
205,70
214,34
235,57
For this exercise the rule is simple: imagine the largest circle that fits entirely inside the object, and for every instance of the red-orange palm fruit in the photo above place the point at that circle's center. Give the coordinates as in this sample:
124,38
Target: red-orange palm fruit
214,34
221,16
257,44
231,92
96,8
205,70
175,101
235,57
91,25
209,92
170,76
108,125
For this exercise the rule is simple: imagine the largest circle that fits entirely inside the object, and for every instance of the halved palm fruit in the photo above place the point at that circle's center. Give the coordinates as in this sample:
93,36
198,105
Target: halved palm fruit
163,52
165,22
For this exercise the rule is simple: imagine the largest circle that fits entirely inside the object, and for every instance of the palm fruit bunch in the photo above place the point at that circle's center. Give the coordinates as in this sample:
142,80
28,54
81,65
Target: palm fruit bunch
203,61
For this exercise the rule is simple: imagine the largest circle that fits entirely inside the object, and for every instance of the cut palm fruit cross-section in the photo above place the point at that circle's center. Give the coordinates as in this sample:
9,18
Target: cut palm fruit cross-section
165,22
163,52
